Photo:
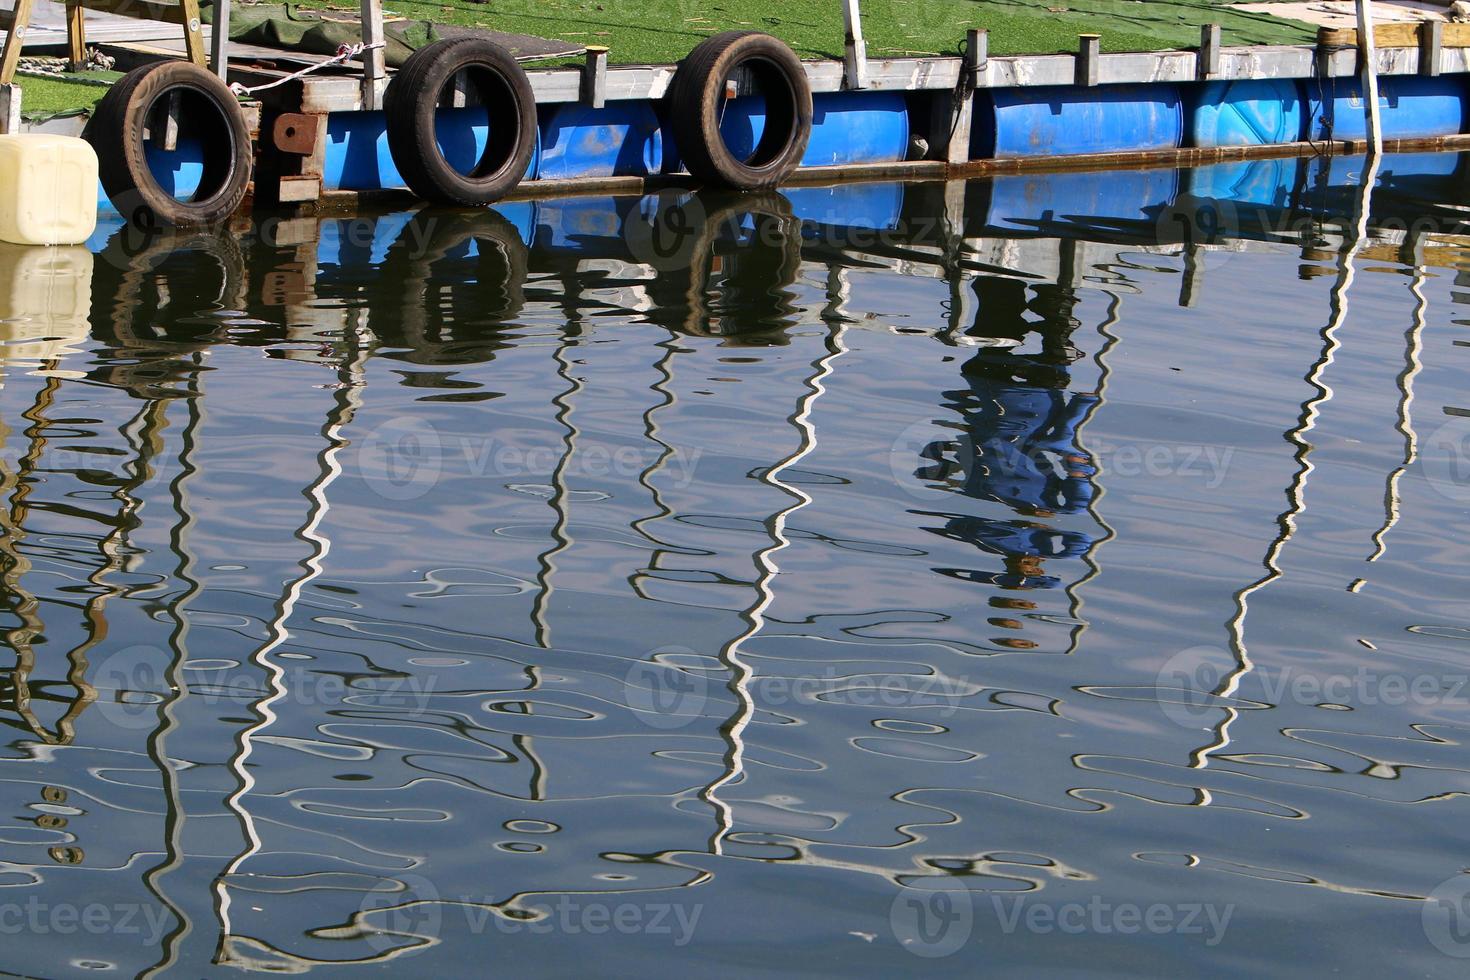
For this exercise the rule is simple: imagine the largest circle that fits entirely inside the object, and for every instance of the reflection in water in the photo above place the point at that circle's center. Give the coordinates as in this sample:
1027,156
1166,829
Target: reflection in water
379,588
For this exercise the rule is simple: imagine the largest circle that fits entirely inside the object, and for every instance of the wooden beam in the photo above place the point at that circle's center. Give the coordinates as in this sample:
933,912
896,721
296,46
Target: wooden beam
1209,52
1393,36
76,35
10,56
1089,53
193,33
1431,47
9,109
855,48
594,78
374,59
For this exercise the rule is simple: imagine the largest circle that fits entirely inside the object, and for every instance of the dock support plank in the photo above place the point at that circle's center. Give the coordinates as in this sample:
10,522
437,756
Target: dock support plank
9,109
855,48
374,61
76,35
594,78
1089,53
1431,47
1209,52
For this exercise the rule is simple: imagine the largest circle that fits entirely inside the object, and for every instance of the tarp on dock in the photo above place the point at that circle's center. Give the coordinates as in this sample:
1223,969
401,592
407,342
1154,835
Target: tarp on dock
287,28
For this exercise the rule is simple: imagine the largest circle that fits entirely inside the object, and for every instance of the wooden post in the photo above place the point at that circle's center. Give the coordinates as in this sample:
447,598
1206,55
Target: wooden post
594,77
1431,43
193,33
374,61
1368,71
76,34
962,113
855,49
10,56
1089,47
1209,51
219,40
9,109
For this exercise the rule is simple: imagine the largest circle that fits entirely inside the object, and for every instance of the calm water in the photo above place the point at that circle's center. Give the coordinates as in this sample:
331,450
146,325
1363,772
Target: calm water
875,580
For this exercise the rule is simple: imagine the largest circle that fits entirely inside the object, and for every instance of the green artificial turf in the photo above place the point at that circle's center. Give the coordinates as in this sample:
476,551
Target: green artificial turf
662,31
41,98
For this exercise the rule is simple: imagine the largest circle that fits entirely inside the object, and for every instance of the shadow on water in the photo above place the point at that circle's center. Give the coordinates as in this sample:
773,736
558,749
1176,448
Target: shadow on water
379,586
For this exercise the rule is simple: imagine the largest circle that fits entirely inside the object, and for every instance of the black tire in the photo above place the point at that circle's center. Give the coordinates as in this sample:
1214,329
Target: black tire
209,113
698,93
413,97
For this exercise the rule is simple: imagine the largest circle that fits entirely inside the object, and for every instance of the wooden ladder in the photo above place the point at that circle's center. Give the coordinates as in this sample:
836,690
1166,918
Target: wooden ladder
184,13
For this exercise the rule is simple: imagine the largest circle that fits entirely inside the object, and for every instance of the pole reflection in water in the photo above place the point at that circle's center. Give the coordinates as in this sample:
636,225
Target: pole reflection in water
392,589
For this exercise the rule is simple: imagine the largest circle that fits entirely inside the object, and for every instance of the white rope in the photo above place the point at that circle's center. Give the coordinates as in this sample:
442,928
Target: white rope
345,52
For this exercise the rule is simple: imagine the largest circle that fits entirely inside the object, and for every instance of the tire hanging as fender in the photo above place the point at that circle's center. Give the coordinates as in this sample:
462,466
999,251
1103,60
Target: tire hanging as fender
697,97
414,97
209,116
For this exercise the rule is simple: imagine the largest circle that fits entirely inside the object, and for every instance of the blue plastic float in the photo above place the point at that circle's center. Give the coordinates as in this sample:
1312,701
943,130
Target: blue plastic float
621,139
358,159
1057,121
1247,113
847,128
1410,107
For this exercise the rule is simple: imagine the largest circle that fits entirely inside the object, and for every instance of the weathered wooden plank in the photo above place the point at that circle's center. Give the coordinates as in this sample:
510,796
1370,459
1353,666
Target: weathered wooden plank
1089,52
9,109
76,34
1393,36
374,59
194,33
1431,47
10,55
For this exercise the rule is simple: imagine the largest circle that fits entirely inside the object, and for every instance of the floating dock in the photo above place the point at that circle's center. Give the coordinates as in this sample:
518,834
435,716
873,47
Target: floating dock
322,139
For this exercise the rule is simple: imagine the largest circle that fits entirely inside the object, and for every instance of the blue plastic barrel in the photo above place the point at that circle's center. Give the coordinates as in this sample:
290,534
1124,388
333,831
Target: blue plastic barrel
178,171
1258,112
875,206
1410,107
1059,120
622,139
847,128
1049,203
358,158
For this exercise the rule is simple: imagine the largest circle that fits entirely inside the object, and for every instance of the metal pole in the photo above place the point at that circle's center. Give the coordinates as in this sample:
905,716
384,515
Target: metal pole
1368,71
219,40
